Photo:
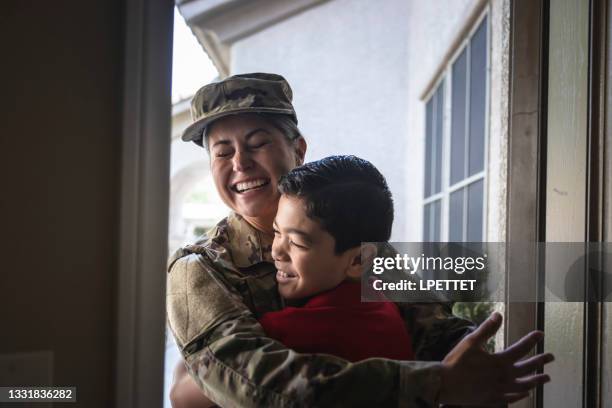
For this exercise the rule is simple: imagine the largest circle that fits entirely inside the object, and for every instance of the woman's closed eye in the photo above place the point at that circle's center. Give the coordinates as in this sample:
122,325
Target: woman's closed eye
223,152
258,145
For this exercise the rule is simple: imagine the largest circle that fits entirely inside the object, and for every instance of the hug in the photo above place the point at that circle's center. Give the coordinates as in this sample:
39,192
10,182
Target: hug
266,308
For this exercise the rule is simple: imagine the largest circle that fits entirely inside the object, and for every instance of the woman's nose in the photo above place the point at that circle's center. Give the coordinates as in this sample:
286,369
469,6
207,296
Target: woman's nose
242,160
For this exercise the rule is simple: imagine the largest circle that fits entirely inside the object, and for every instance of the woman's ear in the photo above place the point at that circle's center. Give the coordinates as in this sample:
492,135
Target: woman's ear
300,150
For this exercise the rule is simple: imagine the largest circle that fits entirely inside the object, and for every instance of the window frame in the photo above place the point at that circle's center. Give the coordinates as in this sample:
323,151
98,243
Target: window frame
445,78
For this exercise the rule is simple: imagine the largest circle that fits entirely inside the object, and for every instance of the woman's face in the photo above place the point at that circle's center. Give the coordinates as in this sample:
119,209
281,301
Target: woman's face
248,156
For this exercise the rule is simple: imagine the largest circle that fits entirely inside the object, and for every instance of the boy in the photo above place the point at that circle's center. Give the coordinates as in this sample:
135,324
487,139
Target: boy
327,209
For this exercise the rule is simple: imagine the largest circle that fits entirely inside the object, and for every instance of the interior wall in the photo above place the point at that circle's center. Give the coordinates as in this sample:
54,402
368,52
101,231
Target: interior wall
61,102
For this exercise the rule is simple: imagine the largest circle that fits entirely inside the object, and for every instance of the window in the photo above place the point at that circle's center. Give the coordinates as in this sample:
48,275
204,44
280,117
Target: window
455,145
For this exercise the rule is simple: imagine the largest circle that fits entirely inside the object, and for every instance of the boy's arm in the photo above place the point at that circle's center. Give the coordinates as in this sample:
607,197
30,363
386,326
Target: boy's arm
230,358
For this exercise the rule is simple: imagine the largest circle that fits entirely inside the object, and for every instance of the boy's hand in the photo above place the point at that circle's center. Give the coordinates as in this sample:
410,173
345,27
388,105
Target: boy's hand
470,375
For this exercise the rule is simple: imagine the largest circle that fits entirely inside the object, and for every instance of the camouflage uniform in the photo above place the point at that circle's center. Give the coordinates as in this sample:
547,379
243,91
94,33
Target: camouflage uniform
218,287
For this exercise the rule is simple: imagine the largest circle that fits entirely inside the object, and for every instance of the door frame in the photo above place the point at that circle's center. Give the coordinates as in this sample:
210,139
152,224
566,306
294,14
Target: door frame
527,179
145,174
526,166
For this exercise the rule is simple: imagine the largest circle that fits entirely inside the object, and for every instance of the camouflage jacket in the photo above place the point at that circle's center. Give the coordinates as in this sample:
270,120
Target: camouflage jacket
218,287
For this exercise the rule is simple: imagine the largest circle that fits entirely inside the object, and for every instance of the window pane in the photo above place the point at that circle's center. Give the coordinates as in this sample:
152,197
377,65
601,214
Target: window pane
474,221
439,118
458,109
431,221
455,216
426,223
428,143
478,83
437,212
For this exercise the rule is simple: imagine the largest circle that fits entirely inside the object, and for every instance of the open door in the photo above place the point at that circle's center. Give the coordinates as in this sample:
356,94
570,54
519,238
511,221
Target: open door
559,185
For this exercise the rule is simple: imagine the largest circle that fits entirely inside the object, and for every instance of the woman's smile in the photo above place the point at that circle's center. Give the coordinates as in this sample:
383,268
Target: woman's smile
242,187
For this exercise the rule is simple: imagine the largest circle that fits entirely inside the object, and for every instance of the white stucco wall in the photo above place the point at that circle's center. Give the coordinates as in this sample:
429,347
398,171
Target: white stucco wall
357,68
346,62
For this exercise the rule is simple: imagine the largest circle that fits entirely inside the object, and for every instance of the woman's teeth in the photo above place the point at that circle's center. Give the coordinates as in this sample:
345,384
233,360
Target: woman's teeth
248,185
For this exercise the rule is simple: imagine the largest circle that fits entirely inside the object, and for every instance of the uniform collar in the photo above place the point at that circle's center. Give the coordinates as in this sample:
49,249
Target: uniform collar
233,243
246,245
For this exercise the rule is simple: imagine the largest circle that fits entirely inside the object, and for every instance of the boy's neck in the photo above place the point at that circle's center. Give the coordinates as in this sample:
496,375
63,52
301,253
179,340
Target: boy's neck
302,301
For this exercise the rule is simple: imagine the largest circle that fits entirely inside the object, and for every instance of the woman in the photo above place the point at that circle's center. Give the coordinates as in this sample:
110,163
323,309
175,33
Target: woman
218,287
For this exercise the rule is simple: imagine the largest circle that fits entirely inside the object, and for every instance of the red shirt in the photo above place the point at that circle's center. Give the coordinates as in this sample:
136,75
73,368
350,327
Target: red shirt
337,322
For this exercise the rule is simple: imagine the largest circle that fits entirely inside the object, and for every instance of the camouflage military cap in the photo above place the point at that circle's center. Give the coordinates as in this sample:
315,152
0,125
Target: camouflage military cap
245,93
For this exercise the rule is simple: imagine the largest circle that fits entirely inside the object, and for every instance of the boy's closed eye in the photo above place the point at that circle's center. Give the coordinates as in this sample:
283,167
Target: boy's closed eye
298,244
297,238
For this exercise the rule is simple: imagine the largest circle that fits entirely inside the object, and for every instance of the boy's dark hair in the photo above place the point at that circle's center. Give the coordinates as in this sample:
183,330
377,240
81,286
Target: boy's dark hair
347,195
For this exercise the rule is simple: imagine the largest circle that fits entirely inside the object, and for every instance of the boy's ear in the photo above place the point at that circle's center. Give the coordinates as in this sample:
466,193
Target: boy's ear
360,258
368,253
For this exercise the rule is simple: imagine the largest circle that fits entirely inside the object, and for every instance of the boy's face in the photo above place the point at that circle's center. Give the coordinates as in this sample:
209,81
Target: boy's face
304,253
